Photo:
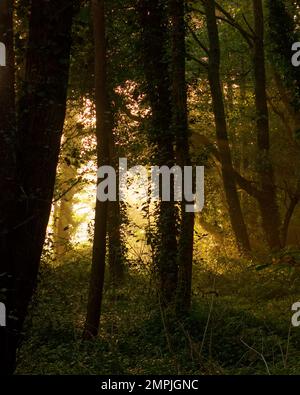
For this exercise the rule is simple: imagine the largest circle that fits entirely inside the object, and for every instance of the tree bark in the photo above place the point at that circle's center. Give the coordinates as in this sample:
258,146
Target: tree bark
103,128
267,199
233,202
154,26
180,127
40,123
7,170
7,130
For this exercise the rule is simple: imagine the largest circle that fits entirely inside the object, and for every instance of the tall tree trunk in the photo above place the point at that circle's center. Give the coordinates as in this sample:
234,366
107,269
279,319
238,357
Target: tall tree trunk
180,127
233,202
7,130
7,170
41,119
267,200
154,26
103,129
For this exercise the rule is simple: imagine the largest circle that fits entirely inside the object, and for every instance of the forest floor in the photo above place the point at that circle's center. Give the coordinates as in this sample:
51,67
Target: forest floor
243,329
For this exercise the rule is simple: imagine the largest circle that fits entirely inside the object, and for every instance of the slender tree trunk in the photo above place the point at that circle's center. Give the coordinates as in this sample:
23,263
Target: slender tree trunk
233,202
154,26
103,129
41,118
267,200
180,127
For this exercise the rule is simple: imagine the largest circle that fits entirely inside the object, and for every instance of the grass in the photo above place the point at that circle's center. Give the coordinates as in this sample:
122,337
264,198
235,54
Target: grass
244,330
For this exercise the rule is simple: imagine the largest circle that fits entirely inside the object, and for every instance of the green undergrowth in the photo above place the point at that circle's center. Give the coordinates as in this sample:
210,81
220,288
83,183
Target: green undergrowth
242,328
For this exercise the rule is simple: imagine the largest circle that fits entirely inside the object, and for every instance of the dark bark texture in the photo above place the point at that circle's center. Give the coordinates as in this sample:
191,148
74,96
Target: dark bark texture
180,128
41,113
103,134
154,26
267,199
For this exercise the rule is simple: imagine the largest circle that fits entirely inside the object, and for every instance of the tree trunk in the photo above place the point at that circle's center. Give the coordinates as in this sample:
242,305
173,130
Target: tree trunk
180,127
154,26
41,118
103,128
7,171
233,202
267,200
7,132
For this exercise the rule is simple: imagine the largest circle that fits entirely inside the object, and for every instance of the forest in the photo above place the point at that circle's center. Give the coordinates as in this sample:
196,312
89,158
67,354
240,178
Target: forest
150,187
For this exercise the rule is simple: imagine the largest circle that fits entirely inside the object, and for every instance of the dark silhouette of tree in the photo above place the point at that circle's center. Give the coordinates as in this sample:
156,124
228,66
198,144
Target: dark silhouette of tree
103,134
154,34
41,113
267,198
7,165
180,128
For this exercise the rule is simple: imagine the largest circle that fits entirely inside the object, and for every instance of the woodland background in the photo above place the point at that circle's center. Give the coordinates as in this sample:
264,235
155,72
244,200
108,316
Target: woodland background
131,287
